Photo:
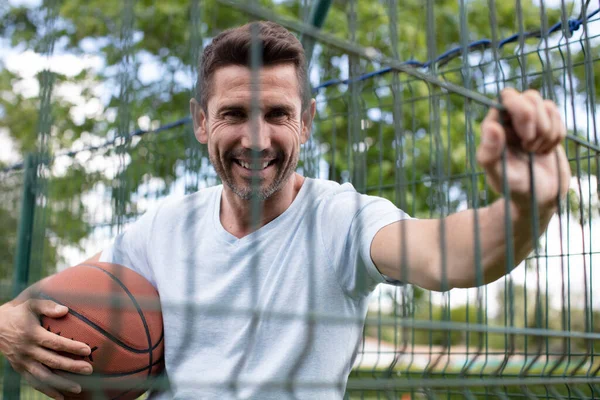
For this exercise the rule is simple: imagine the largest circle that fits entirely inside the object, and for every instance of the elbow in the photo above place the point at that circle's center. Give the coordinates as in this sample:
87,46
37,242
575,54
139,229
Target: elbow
471,277
436,277
443,277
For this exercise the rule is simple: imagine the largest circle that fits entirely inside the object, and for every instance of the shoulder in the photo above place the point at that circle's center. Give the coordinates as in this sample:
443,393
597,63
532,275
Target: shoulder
342,198
343,204
173,209
324,190
200,198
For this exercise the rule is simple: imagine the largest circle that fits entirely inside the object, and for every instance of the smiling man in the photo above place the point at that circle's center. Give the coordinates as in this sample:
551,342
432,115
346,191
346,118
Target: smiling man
237,293
222,120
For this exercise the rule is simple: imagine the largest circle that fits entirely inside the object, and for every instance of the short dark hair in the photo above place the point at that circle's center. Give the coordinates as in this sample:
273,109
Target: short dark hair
232,47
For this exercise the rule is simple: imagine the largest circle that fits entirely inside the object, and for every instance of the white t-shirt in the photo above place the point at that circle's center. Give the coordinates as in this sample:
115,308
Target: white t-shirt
276,314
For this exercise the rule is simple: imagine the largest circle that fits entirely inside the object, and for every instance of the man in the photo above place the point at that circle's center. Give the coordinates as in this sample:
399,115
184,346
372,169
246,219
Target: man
318,248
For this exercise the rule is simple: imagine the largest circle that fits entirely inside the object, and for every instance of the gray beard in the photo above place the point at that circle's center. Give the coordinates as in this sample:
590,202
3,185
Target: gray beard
247,193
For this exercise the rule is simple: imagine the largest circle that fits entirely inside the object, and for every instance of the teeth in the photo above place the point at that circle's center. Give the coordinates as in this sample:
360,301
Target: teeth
249,166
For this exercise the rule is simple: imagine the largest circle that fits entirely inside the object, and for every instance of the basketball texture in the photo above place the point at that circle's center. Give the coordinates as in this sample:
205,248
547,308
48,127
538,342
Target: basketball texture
117,313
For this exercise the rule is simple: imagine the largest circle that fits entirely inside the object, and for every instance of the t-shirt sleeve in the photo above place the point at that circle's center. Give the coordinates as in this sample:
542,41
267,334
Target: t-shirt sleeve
130,247
350,222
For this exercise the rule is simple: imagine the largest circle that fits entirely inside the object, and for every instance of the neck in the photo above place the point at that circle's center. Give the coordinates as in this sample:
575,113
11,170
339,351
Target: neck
237,215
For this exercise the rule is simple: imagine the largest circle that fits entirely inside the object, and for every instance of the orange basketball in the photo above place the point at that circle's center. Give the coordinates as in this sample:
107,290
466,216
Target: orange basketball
117,313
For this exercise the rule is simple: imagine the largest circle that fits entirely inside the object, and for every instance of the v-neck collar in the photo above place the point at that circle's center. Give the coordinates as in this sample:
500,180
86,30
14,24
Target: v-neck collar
231,239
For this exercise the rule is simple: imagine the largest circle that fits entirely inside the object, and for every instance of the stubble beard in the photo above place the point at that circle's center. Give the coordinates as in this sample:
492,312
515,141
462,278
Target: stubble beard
246,192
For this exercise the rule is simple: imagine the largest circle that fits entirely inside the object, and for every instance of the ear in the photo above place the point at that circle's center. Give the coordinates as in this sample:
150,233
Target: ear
307,119
199,118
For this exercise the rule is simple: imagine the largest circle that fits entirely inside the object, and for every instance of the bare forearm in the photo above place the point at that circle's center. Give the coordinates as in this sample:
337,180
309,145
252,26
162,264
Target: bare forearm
422,253
464,268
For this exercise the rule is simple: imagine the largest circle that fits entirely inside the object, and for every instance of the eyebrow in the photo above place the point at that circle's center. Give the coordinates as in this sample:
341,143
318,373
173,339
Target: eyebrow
282,107
242,107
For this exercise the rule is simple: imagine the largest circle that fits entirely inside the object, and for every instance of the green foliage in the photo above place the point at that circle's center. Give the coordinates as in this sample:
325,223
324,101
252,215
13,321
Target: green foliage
432,133
10,197
520,308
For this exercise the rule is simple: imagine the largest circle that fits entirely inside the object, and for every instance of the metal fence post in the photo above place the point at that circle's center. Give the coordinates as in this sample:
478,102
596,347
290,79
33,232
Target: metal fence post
11,379
317,17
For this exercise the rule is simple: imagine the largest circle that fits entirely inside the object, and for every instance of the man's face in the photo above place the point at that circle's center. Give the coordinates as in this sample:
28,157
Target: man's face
276,131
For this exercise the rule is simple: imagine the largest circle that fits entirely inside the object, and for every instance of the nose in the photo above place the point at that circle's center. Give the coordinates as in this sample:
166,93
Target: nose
256,135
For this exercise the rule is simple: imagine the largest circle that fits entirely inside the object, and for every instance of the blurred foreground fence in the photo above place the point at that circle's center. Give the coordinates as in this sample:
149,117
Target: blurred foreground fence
401,89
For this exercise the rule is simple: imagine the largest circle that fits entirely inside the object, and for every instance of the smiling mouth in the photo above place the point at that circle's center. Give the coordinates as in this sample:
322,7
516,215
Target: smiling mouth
250,165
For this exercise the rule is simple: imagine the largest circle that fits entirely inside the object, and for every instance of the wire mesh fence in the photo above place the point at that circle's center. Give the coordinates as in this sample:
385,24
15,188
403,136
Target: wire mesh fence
12,185
401,90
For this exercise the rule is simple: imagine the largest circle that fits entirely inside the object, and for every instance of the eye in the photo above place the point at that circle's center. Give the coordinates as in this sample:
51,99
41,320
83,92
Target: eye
277,115
234,115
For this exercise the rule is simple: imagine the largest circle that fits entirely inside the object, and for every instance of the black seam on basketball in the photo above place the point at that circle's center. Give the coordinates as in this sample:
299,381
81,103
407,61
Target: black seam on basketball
137,387
137,306
160,339
101,330
125,373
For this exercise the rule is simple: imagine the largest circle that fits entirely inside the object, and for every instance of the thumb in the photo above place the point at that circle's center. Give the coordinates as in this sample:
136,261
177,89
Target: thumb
492,143
48,308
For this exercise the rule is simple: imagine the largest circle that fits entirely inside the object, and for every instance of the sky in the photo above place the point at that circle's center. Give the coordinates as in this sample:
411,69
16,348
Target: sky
29,63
